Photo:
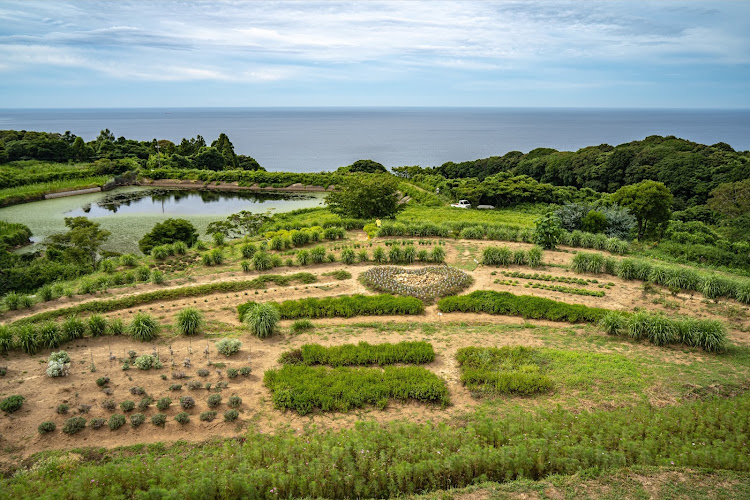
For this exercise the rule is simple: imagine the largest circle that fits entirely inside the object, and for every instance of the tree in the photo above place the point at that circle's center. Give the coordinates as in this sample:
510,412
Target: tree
731,199
649,201
209,159
81,243
242,223
594,222
167,232
225,148
548,231
365,197
365,167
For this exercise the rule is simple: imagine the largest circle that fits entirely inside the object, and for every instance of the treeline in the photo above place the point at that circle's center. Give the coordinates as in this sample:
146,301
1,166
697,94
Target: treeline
189,153
690,170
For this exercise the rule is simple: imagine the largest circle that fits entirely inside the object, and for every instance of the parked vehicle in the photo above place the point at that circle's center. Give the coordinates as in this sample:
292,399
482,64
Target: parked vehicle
485,207
461,204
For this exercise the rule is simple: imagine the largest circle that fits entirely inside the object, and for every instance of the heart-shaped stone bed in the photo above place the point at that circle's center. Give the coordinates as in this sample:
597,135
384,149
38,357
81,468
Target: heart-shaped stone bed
425,283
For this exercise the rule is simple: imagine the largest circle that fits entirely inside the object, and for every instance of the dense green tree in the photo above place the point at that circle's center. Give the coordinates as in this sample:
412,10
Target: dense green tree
225,148
167,232
365,167
81,243
594,222
208,159
649,201
365,197
731,199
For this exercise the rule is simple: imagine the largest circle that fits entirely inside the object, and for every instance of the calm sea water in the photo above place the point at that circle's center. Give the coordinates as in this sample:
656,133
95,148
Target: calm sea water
312,139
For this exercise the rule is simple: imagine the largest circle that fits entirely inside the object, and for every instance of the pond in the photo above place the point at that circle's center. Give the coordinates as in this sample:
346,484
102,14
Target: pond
130,212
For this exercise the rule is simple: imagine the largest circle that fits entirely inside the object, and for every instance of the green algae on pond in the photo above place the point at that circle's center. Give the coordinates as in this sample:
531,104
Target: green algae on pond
130,212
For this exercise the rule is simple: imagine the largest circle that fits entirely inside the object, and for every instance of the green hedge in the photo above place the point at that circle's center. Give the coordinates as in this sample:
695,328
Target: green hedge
307,388
361,354
101,306
344,307
505,370
521,305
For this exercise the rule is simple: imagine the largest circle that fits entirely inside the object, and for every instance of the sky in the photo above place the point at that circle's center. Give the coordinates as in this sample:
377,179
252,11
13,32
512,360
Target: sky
644,54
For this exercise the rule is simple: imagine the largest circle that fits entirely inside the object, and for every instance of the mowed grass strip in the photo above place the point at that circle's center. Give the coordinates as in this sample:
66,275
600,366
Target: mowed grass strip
101,306
360,354
345,306
308,388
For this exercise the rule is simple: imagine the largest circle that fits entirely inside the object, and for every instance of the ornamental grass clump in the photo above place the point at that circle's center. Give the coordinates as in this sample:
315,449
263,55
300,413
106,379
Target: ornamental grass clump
261,320
143,328
97,325
189,321
50,335
427,283
497,256
73,328
28,340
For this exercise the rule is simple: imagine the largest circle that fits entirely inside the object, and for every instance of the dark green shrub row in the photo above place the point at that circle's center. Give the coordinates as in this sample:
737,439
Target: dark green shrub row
306,388
101,306
404,458
343,307
709,335
505,370
521,305
710,284
360,354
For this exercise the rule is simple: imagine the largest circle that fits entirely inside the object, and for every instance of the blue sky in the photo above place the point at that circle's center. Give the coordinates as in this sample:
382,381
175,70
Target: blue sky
399,53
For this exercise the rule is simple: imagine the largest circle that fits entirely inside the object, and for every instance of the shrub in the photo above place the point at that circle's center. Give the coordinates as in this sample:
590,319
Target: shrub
214,400
182,418
46,293
175,387
203,372
127,406
231,415
97,423
74,425
137,391
234,401
189,321
506,303
195,384
62,408
245,371
46,427
534,256
318,255
137,419
163,404
304,388
232,372
116,421
208,416
50,336
128,260
262,261
157,277
227,347
12,404
159,419
12,300
116,326
168,232
73,328
27,339
109,404
143,327
143,273
97,325
186,402
144,403
248,250
345,306
160,252
146,362
347,256
378,255
57,369
261,320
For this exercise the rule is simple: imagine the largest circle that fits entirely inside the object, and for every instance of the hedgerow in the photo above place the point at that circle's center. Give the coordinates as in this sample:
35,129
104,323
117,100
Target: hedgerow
521,305
361,354
405,458
505,370
343,307
306,388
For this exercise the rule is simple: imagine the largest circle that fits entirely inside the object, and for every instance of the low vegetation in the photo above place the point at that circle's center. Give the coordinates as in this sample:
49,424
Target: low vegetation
505,370
343,307
360,354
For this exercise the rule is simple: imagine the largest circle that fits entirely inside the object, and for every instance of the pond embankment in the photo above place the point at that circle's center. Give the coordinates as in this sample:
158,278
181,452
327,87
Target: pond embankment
227,186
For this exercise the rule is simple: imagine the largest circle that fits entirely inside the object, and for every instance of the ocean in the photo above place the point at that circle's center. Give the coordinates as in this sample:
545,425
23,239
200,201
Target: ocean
318,139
